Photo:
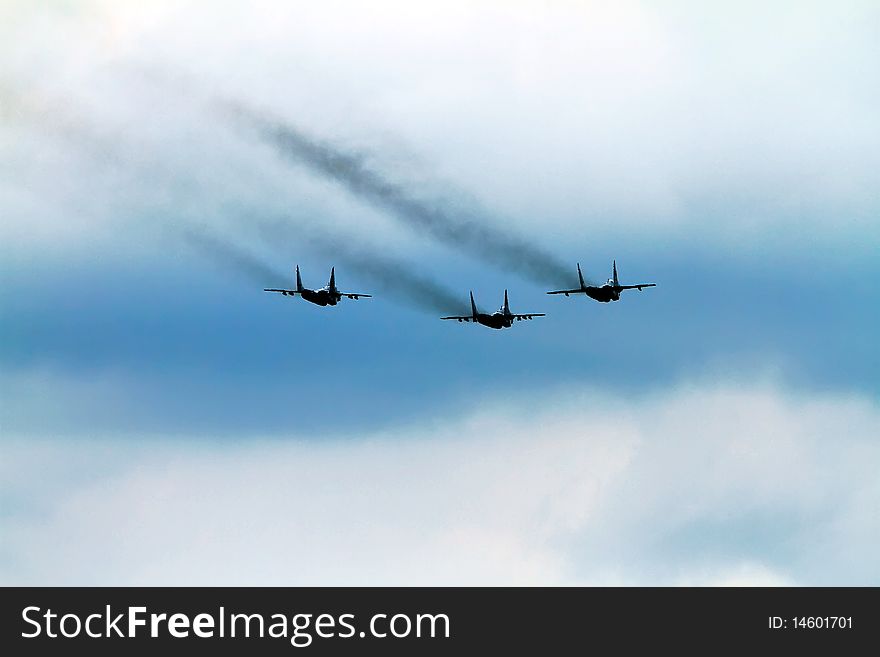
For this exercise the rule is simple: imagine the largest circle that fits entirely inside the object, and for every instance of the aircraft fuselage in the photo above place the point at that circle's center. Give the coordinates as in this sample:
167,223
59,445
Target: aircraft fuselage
323,297
603,294
495,320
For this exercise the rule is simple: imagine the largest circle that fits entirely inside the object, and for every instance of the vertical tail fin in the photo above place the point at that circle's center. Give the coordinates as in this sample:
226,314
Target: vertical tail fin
333,278
299,283
506,305
581,277
473,306
614,270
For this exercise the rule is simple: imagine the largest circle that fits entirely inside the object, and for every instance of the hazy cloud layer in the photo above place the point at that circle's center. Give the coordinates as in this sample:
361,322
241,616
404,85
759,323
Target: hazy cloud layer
587,125
704,485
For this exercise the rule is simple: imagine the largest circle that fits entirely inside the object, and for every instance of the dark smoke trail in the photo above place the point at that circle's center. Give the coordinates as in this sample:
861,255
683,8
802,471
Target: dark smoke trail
227,254
397,279
448,221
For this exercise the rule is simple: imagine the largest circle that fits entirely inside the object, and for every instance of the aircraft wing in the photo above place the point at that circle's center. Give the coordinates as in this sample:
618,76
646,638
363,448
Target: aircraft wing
567,292
460,318
284,292
636,287
530,315
354,295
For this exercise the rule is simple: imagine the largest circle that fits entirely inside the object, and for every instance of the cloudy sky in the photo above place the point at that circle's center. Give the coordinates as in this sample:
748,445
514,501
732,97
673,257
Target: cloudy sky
163,421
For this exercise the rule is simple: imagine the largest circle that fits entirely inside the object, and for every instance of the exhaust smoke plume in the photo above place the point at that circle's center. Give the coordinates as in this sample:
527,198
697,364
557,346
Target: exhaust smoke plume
229,255
396,279
452,221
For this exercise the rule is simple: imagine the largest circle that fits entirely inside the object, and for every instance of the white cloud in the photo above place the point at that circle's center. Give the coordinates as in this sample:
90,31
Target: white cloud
694,486
743,574
584,119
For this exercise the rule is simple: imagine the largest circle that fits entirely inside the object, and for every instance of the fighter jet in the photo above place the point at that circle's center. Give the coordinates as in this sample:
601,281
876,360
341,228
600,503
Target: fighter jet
326,296
501,318
604,293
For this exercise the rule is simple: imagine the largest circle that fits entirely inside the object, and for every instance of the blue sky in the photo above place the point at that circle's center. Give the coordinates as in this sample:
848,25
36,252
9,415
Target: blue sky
212,354
719,428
